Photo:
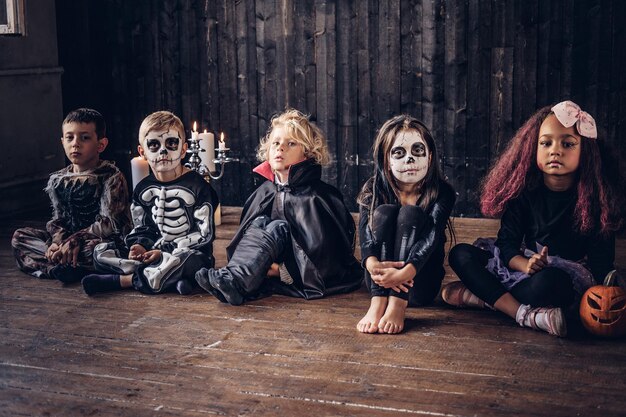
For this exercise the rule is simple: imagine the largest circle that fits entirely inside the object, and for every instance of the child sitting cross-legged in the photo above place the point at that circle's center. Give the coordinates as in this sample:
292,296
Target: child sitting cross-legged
558,193
172,212
89,201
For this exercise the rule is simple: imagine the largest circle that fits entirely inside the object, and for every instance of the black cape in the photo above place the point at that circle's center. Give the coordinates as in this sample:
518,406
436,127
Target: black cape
322,232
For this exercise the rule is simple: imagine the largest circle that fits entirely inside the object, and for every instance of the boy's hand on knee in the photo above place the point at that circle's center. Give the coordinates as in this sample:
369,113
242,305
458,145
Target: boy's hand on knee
67,253
57,257
52,249
136,252
151,256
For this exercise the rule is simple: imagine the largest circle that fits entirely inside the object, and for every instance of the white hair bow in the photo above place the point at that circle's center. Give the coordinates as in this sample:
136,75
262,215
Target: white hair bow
570,113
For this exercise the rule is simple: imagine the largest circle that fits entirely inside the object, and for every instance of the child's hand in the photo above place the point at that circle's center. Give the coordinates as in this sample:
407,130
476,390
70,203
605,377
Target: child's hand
274,270
372,263
151,256
404,287
537,262
394,278
136,252
67,254
52,249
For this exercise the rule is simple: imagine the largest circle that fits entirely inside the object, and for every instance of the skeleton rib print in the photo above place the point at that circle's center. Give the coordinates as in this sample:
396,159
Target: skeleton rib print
168,211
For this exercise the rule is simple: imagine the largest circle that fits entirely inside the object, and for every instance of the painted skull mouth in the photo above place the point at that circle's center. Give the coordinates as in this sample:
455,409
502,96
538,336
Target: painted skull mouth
603,321
412,169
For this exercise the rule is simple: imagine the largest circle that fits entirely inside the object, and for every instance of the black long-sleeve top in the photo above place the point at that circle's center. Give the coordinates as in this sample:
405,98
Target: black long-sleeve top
432,239
547,217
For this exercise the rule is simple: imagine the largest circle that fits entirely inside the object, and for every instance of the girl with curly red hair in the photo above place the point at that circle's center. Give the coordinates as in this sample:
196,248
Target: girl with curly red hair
557,191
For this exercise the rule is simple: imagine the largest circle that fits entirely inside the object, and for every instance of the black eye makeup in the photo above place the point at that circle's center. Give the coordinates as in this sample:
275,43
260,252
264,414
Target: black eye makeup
398,152
418,149
172,144
153,144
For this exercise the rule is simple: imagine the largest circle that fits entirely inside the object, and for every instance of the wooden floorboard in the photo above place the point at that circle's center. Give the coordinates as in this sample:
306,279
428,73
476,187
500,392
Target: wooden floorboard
127,354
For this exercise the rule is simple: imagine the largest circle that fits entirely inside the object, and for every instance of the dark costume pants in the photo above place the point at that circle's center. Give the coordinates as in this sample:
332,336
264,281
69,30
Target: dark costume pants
30,246
397,229
264,242
548,287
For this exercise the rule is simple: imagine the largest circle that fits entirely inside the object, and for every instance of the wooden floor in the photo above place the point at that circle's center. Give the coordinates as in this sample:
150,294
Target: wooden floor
127,354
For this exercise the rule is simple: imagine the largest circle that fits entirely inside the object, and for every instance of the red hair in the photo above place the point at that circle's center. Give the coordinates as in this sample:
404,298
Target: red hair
599,202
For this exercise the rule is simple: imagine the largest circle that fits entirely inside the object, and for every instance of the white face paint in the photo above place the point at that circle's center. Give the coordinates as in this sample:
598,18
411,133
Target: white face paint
409,157
163,150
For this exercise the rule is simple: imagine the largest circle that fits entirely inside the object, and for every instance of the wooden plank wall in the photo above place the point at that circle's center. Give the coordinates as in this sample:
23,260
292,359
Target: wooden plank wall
473,70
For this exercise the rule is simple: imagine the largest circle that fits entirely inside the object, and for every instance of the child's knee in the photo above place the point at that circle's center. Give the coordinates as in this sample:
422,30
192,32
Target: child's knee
27,236
412,216
555,285
384,215
260,222
15,239
384,222
553,279
278,229
459,255
387,210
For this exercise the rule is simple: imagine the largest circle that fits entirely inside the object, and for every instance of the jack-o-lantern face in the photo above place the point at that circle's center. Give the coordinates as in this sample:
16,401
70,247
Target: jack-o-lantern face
603,310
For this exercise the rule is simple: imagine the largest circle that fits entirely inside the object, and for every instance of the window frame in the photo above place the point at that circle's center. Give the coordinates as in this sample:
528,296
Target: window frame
15,18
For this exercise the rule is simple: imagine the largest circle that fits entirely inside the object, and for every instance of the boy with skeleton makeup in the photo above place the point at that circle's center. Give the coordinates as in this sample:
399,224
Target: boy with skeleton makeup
172,212
89,201
404,211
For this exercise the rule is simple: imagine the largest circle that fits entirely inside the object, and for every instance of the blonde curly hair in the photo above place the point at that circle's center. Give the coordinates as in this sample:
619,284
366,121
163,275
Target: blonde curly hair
298,126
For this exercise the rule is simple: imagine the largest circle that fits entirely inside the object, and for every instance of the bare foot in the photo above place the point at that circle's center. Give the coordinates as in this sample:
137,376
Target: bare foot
368,323
393,320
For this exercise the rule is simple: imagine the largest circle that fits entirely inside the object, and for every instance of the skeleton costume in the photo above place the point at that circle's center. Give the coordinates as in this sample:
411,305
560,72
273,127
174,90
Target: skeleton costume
175,217
89,208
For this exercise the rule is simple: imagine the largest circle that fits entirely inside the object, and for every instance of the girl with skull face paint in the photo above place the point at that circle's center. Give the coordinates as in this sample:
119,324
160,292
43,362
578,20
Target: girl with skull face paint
172,212
404,211
558,193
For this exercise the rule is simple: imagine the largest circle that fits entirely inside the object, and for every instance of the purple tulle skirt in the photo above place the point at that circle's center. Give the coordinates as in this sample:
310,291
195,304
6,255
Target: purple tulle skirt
581,277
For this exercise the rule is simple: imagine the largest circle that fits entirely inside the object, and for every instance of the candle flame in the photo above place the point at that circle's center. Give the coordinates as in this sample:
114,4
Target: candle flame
205,131
194,126
222,137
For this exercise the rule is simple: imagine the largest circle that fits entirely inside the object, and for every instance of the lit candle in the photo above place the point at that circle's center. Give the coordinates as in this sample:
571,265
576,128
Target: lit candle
194,132
139,169
222,143
207,142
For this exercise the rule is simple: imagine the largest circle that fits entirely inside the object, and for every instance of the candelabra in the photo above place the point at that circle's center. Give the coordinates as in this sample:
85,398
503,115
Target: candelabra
195,162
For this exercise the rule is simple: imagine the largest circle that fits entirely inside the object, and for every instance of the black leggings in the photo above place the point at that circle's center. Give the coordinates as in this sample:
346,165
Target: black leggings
548,287
398,228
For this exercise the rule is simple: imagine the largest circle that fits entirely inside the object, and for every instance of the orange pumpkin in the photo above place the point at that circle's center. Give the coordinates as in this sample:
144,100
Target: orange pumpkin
603,309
